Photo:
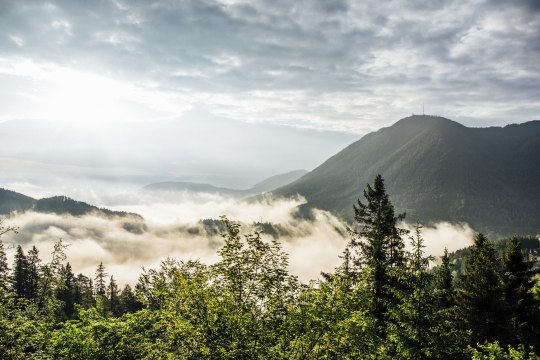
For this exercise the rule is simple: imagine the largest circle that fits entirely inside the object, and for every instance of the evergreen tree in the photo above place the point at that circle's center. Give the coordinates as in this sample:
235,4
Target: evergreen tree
114,300
100,285
415,325
20,273
32,279
100,290
524,308
66,292
444,288
128,301
4,269
84,292
480,300
379,246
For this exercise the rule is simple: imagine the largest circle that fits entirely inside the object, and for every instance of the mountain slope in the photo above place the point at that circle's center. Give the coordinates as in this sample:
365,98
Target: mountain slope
266,185
436,169
11,201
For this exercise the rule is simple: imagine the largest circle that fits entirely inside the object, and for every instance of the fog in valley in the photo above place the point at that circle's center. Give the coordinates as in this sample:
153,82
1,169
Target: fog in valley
172,226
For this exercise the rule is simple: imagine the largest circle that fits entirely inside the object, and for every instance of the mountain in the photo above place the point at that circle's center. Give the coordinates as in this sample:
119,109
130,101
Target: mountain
266,185
436,169
11,201
277,181
175,186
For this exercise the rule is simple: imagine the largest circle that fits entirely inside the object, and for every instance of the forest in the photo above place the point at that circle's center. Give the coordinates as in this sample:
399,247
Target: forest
385,301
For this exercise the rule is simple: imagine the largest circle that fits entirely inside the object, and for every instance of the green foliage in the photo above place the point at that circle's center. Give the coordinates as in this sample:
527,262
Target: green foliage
493,351
480,294
382,302
378,249
519,282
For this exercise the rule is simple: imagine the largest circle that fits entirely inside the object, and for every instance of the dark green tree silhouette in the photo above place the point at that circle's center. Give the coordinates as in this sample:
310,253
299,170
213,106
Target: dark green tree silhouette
4,270
443,283
113,298
379,248
32,275
20,273
128,300
523,307
100,284
66,291
481,308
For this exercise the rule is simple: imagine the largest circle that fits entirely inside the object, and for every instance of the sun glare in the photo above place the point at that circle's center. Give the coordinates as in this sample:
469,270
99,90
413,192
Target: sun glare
66,94
83,97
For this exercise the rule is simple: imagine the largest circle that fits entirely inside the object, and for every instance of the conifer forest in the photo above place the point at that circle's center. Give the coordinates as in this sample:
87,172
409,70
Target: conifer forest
385,301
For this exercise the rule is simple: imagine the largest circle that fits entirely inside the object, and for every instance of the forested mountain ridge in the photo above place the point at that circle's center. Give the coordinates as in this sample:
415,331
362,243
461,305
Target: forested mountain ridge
437,169
11,201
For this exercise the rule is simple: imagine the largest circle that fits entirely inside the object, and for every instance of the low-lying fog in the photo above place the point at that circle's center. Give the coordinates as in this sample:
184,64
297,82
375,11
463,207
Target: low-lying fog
172,228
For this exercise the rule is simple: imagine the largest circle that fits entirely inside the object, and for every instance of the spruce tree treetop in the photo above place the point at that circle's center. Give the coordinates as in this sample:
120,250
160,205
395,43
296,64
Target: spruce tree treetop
377,222
378,247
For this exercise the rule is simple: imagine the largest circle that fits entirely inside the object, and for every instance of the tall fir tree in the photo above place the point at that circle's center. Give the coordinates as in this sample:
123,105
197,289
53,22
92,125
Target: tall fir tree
100,284
66,291
113,298
379,247
84,292
33,269
443,282
128,301
20,273
100,290
481,307
4,270
414,330
524,309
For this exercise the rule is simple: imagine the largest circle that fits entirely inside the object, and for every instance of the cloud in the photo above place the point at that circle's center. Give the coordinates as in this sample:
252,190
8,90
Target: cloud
370,63
441,235
126,245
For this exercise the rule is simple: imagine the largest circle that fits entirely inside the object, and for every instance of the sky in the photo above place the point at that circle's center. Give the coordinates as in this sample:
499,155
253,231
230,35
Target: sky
342,65
178,90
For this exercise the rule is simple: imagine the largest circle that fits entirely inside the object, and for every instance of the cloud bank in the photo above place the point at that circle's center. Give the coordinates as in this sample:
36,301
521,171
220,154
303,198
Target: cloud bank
125,245
339,64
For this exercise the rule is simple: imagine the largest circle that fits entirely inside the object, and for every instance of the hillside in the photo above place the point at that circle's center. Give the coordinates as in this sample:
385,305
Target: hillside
437,169
263,186
11,201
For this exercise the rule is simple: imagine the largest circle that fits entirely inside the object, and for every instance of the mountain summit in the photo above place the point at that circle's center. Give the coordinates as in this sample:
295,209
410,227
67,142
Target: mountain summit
436,169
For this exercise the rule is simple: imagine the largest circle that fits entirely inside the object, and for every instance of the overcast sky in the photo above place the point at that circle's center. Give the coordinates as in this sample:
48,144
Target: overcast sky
335,65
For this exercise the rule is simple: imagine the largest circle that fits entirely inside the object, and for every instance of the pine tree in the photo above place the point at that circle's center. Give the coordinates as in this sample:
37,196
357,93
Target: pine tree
4,270
379,247
66,293
128,301
84,292
523,307
414,329
32,280
481,307
20,273
113,299
100,285
444,288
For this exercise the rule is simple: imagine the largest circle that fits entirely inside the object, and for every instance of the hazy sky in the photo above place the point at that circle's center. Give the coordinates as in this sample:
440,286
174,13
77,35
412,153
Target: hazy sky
231,91
333,64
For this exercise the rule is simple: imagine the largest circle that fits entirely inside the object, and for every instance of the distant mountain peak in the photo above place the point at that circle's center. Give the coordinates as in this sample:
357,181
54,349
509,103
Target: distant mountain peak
436,169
